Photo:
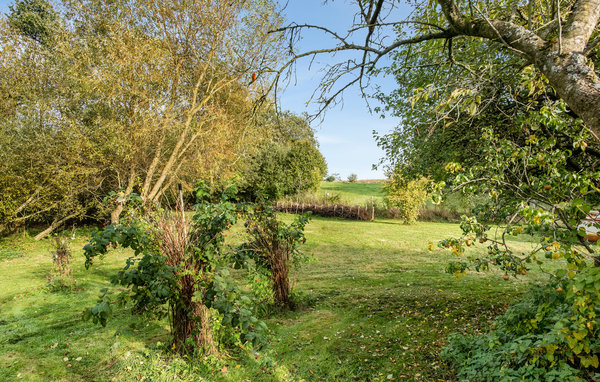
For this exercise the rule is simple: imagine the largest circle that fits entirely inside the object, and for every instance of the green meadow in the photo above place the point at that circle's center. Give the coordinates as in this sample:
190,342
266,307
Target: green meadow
375,305
356,192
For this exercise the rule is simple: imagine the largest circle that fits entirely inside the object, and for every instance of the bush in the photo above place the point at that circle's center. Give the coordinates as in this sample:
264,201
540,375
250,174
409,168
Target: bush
274,247
284,170
176,272
408,196
550,335
352,178
61,256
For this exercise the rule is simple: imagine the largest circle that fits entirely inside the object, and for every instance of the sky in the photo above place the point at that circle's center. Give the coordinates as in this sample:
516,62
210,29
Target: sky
345,132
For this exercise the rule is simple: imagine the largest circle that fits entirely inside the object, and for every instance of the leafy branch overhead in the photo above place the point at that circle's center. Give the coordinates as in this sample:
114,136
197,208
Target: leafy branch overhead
559,40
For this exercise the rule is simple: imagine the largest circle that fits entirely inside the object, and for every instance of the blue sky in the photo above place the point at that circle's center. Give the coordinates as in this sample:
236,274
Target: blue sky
345,133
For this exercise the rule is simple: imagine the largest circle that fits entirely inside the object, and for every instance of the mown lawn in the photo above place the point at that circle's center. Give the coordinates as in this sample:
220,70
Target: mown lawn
357,193
377,306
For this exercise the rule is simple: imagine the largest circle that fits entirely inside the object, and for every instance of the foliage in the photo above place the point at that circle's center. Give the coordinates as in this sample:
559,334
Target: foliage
35,19
352,178
49,174
550,335
175,272
335,177
537,189
287,169
406,195
542,181
274,247
69,138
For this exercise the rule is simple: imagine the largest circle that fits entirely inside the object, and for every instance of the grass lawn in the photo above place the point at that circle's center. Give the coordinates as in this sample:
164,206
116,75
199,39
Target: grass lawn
358,193
378,307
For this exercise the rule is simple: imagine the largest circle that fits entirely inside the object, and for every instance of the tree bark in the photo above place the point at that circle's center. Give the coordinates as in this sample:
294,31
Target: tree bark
55,224
576,83
563,61
116,213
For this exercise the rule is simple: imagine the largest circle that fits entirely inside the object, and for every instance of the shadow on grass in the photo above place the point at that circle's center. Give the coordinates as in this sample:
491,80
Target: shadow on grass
46,334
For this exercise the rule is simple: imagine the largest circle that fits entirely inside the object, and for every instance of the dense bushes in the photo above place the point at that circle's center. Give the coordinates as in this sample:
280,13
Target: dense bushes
180,270
284,169
408,196
552,334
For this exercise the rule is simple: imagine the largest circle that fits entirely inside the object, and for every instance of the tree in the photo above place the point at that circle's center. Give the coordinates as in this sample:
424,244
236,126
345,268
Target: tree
48,172
125,96
35,19
169,79
503,132
558,39
408,196
287,162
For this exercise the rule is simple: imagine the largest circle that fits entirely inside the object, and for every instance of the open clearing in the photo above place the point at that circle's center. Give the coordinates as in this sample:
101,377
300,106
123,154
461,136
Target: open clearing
377,306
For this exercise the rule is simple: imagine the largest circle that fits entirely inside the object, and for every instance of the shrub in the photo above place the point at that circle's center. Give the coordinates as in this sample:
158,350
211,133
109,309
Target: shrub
408,196
284,170
60,278
352,178
550,335
274,247
61,256
175,272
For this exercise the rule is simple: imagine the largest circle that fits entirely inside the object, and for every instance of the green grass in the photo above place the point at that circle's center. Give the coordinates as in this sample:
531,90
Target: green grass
358,193
378,307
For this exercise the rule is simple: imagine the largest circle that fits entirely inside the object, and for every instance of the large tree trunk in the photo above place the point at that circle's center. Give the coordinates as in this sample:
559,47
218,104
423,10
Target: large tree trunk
576,83
562,60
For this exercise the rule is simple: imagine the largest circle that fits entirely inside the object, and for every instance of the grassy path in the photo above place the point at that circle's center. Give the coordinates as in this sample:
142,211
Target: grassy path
380,308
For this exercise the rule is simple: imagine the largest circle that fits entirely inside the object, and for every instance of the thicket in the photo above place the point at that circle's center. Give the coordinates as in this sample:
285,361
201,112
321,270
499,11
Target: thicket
550,335
69,138
180,270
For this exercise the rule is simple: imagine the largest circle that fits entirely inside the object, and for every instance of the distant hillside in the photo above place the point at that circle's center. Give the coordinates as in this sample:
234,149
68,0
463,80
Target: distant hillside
358,192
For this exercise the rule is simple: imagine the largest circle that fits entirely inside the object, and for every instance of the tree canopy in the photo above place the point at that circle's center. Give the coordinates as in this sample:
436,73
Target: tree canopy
131,95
